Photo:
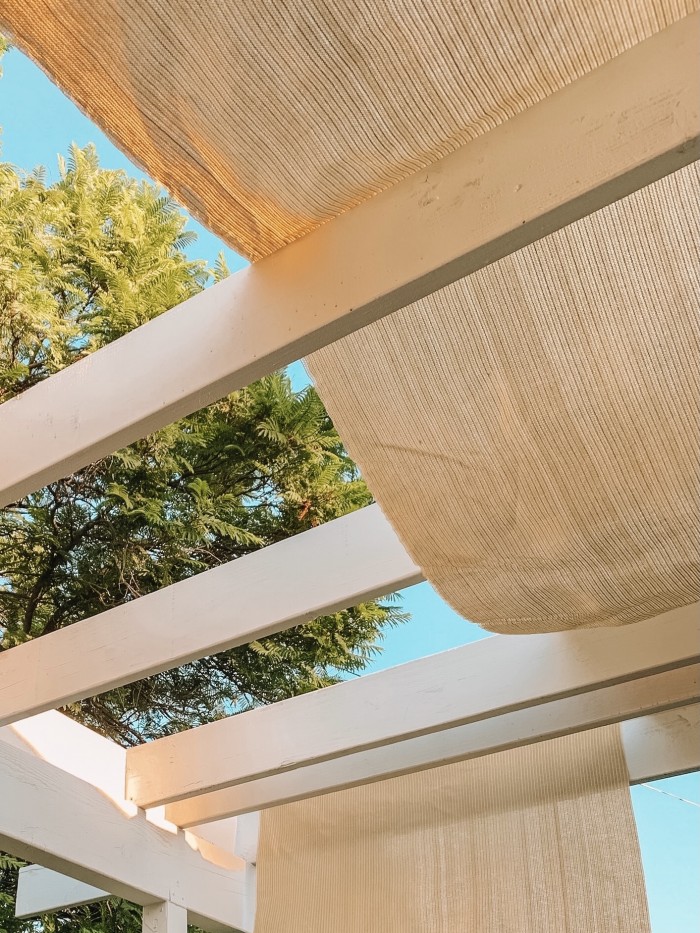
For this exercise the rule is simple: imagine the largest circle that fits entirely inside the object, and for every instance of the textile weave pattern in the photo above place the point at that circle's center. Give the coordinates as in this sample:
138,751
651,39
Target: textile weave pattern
532,430
533,840
268,118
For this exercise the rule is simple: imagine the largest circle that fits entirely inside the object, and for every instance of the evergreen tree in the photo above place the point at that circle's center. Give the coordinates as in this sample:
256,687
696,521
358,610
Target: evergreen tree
82,262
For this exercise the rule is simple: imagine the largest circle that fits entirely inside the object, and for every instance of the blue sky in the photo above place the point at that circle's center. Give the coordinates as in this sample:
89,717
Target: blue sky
38,123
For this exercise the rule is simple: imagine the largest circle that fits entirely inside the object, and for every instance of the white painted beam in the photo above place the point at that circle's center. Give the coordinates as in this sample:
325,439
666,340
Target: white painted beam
247,834
663,745
479,681
51,817
668,747
621,127
41,891
337,565
60,741
57,740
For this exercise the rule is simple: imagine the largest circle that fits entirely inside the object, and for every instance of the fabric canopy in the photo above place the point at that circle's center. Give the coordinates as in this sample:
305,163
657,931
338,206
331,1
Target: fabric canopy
540,454
533,840
267,118
530,430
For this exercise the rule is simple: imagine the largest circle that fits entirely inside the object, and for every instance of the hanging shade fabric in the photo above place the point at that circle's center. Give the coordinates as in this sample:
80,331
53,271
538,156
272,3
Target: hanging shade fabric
267,118
534,840
530,430
539,457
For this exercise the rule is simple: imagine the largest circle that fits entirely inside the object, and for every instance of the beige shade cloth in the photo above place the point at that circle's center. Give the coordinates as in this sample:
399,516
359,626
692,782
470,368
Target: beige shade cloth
534,840
532,431
269,117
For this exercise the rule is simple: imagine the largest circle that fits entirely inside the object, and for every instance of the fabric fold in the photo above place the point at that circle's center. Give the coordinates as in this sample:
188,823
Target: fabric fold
532,430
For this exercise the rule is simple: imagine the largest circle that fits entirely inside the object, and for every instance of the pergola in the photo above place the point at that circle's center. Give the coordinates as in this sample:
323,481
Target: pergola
178,817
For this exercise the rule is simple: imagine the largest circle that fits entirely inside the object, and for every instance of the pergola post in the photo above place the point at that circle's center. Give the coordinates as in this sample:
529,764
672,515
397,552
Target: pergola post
164,917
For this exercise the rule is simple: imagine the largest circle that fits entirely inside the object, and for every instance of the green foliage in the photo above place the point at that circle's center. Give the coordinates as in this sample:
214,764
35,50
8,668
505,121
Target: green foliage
82,262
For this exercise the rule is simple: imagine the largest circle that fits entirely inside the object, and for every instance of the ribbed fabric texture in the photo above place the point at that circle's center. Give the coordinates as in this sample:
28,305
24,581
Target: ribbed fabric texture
534,840
532,431
267,118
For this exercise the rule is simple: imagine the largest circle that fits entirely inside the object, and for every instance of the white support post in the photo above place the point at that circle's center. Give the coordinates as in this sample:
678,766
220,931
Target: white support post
340,564
247,833
165,917
480,681
604,136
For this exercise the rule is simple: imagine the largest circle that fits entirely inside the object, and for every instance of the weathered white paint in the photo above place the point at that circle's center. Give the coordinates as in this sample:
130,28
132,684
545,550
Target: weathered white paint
41,891
621,127
51,817
165,917
340,564
663,745
479,681
665,749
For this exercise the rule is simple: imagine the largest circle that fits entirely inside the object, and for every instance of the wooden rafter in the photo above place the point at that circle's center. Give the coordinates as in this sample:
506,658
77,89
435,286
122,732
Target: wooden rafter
479,681
340,564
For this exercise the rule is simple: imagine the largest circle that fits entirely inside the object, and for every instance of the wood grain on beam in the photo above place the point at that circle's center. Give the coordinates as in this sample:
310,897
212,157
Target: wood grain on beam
618,129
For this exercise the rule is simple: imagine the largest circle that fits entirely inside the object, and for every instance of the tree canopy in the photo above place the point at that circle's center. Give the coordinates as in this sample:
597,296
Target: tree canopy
83,261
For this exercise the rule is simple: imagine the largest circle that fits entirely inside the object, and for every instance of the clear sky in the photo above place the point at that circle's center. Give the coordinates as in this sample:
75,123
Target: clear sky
38,122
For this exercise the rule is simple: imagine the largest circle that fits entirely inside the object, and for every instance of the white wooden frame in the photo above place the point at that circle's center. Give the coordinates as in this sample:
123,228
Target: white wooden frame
644,696
42,891
59,783
623,126
480,681
51,817
657,745
618,129
340,564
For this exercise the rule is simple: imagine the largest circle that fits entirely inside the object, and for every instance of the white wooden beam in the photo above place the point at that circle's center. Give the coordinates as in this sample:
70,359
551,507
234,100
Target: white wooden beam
247,834
41,891
621,127
51,817
165,917
663,745
536,724
93,764
58,740
479,681
340,564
